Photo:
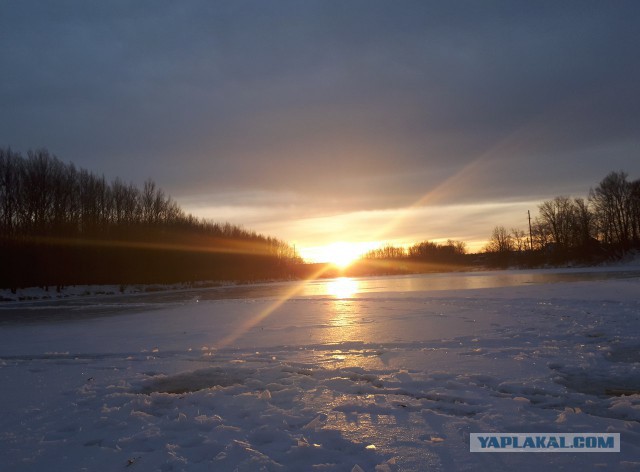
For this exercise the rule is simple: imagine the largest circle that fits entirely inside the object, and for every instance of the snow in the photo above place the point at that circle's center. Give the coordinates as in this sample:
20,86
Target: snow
377,375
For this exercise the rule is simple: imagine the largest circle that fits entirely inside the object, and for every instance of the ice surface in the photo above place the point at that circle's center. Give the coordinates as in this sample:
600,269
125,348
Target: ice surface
381,380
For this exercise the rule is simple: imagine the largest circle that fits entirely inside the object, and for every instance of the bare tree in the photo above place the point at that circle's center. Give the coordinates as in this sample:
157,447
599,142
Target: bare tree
500,241
519,238
456,248
635,210
541,235
584,222
386,252
35,194
559,216
612,200
10,189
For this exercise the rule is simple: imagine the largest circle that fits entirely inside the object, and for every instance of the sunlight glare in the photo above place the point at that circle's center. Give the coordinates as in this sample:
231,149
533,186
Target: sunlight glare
343,287
340,254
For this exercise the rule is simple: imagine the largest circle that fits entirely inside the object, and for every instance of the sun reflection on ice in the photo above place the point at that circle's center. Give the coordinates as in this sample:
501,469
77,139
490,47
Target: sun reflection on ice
343,287
344,321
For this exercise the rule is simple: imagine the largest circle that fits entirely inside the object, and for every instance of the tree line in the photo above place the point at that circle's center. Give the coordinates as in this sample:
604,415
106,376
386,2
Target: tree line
451,251
63,225
425,256
606,224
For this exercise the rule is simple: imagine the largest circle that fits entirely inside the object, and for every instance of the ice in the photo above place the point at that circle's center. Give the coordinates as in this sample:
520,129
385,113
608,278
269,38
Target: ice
381,381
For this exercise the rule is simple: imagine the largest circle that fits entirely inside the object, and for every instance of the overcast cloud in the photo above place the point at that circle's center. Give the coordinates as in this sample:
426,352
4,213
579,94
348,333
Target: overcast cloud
326,107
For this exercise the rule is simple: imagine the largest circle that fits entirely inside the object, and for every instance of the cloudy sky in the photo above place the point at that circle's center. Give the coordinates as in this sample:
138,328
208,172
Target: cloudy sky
324,121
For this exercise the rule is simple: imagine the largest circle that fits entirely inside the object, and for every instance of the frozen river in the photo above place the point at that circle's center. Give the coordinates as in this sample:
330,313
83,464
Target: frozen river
381,374
50,305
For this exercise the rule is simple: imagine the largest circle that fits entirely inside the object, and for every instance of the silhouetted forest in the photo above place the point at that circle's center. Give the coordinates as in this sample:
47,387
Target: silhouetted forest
602,227
426,256
62,225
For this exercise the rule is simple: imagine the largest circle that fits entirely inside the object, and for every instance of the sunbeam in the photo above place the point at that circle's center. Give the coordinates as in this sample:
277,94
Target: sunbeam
250,323
468,176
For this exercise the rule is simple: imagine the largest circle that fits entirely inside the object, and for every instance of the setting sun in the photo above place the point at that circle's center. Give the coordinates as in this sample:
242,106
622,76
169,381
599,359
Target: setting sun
341,253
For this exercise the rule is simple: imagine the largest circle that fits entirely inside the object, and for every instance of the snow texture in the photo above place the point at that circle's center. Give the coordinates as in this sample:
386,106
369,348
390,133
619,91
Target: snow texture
380,380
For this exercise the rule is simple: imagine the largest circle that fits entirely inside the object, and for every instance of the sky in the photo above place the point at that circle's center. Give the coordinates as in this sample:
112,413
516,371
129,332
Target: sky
328,121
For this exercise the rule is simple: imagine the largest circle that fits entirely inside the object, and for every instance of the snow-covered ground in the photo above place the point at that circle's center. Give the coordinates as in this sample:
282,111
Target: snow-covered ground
347,375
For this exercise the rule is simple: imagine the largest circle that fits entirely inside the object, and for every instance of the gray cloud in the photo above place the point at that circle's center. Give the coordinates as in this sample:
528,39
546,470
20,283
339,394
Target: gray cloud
363,103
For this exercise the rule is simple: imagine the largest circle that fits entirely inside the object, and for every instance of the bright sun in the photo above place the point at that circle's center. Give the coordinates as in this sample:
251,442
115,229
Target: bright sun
340,254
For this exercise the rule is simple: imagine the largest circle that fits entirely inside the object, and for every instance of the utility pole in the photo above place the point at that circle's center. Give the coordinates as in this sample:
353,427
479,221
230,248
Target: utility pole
530,235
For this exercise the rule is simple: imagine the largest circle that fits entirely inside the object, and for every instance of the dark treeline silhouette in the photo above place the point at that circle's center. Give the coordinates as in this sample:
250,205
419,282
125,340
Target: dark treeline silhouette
426,256
604,226
62,225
